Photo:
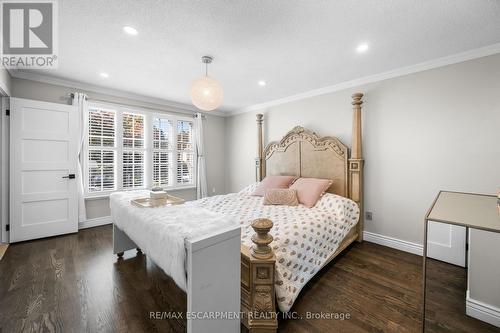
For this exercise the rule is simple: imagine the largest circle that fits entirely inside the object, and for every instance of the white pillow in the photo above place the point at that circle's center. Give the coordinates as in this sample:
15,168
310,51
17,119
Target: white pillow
332,202
248,190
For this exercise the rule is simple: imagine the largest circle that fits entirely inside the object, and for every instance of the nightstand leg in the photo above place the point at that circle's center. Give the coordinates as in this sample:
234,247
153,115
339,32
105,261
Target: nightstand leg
424,274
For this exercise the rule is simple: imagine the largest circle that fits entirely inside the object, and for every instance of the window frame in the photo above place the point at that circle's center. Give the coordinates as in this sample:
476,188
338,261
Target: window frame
175,150
171,151
133,150
148,147
86,152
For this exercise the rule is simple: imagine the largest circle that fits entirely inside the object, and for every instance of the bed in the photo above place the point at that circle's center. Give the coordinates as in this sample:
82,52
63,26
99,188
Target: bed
223,254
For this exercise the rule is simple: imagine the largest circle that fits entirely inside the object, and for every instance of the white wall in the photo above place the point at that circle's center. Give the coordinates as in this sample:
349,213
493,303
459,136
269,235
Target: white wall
438,129
213,132
484,276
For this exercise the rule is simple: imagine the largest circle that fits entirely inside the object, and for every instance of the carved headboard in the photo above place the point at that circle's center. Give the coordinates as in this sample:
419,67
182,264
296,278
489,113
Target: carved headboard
302,153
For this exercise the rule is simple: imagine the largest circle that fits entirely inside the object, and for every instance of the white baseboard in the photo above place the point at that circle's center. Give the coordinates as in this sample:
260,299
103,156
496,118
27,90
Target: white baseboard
393,242
482,311
90,223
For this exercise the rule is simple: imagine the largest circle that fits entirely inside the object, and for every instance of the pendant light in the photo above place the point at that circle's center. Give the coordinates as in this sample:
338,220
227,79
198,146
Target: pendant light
206,93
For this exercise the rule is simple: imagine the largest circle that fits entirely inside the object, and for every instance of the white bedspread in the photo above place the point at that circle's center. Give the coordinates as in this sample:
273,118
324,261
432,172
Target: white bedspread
161,232
304,237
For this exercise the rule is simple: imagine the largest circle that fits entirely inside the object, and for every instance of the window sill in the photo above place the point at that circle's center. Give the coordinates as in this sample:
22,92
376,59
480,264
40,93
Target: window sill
106,195
180,188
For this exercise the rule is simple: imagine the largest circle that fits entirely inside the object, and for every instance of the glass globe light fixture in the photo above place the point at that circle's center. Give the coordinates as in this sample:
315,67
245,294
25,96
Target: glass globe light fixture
206,93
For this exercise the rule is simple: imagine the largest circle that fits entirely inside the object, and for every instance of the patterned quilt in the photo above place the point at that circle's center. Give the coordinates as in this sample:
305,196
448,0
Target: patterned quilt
304,237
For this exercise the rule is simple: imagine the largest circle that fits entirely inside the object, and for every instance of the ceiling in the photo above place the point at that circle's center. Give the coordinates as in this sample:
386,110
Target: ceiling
295,46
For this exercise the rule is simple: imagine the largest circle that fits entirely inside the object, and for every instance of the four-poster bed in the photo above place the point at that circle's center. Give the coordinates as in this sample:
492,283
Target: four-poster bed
299,153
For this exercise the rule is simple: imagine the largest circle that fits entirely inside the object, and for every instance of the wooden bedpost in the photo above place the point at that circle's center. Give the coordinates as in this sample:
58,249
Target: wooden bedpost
260,149
356,162
258,302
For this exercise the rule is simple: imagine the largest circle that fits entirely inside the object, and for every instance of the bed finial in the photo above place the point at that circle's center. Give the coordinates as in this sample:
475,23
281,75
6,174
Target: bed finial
356,161
260,149
357,151
356,98
262,238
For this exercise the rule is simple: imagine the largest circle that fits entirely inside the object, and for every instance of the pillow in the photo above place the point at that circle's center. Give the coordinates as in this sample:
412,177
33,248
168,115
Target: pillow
309,190
273,182
249,189
281,196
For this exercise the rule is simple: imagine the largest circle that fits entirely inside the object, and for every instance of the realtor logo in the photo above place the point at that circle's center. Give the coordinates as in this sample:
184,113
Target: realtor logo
29,34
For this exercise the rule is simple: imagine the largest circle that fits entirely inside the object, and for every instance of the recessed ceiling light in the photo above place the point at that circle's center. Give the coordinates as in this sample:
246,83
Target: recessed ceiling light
362,48
262,83
104,75
130,30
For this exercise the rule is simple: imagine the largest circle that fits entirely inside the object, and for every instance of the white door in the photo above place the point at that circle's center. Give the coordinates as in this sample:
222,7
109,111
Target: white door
447,243
43,162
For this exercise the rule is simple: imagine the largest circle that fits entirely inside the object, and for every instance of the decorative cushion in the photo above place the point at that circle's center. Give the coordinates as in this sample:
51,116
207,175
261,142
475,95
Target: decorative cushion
281,196
273,182
309,190
249,189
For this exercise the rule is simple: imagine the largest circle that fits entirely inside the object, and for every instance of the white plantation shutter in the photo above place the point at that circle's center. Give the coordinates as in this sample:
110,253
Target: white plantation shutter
133,151
128,149
185,153
162,152
101,150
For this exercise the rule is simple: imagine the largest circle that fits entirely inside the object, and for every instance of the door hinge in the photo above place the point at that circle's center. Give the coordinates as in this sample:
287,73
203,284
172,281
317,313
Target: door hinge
7,227
7,112
466,246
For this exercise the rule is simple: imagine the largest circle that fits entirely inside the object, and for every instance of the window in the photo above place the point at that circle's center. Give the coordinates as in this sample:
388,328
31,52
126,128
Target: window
162,152
101,151
133,149
185,152
173,149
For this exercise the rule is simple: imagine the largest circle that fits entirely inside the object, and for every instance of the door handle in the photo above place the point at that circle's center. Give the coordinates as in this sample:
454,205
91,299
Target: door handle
70,176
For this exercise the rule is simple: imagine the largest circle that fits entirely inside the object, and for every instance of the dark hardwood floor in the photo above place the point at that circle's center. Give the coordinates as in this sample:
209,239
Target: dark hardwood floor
74,283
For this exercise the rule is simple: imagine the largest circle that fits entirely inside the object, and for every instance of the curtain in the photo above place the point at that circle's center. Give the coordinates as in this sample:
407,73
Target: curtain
80,100
201,173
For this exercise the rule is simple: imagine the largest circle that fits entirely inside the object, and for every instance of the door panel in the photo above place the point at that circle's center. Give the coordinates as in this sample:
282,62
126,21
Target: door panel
447,243
40,181
43,150
47,211
43,146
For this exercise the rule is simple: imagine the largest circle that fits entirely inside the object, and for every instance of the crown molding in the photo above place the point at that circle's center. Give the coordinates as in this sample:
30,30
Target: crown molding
185,108
165,104
420,67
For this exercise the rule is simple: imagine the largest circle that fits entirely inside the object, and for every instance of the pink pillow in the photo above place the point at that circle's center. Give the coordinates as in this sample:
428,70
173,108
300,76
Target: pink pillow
273,182
309,190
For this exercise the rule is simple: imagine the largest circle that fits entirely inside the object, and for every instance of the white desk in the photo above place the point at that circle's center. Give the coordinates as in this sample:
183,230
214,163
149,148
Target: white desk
477,211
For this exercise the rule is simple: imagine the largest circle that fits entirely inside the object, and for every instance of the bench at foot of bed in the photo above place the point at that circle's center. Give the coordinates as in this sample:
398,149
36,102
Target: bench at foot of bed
258,303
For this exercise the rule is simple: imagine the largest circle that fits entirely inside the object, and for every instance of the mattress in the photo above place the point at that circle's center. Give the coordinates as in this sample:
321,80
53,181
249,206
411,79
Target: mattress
304,238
